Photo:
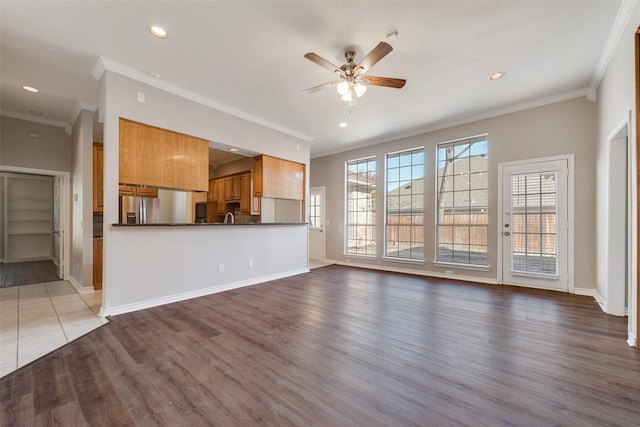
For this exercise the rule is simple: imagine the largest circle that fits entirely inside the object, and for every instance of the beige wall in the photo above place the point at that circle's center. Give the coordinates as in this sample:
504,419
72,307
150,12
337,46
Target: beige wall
556,129
51,151
82,201
616,109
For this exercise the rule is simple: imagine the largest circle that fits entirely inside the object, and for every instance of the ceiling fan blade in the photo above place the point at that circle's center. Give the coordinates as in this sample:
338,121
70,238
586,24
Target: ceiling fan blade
323,63
374,56
320,87
384,81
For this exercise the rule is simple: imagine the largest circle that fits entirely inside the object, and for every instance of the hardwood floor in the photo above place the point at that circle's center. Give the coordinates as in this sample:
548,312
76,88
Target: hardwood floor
342,347
26,273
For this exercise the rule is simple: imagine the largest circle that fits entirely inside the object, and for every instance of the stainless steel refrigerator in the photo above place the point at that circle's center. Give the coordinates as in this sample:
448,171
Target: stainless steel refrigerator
139,210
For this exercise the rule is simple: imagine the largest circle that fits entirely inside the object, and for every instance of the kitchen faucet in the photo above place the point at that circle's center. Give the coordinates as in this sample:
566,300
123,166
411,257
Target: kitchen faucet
227,216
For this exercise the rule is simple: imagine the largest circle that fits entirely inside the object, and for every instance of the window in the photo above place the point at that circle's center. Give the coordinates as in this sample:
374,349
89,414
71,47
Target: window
314,210
361,207
462,202
405,205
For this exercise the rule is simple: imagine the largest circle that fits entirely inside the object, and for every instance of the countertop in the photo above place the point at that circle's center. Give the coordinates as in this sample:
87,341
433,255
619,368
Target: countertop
208,224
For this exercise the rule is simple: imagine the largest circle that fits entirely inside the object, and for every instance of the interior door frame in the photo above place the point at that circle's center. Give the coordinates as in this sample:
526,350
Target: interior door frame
569,158
65,217
323,211
633,311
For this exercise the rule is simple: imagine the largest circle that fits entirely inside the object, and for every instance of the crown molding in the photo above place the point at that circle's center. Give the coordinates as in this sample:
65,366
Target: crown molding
488,115
105,64
31,118
78,107
617,30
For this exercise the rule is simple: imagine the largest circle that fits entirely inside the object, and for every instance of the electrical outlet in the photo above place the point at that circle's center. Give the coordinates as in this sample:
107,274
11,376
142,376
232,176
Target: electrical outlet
220,268
250,263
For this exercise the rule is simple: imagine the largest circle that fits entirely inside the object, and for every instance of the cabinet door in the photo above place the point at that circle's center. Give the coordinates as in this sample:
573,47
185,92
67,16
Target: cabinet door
256,204
212,195
221,206
236,186
146,192
126,190
228,190
257,176
97,263
245,193
98,177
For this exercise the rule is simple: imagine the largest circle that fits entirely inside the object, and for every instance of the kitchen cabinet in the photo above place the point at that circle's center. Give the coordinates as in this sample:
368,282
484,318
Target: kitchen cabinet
278,178
132,190
257,176
212,195
150,156
97,263
249,204
232,188
98,177
221,206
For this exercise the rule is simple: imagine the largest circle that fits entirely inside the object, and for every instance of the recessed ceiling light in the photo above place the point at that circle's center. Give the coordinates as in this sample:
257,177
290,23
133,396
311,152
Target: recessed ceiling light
36,113
498,75
158,32
155,75
30,89
233,150
343,124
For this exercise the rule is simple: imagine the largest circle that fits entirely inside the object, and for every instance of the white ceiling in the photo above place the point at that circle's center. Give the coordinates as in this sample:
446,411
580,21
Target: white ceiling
246,57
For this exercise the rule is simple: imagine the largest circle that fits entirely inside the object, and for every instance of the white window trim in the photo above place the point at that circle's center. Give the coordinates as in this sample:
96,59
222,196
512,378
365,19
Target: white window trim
435,262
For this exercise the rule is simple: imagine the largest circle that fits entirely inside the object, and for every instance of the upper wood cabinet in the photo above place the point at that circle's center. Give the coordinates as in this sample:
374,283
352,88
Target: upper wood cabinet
249,204
161,158
98,177
212,195
232,188
278,178
132,190
221,206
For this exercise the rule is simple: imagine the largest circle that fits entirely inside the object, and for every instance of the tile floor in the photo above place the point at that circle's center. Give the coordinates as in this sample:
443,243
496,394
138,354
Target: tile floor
36,319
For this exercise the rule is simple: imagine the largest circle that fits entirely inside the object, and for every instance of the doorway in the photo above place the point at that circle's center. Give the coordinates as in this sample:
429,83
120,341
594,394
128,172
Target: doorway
39,252
534,224
617,268
317,240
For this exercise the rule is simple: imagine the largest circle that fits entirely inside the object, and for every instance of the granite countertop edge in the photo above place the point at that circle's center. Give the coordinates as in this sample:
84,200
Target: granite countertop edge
209,224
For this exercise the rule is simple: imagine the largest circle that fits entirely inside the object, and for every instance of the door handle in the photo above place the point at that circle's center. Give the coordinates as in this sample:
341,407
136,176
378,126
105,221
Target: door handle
506,233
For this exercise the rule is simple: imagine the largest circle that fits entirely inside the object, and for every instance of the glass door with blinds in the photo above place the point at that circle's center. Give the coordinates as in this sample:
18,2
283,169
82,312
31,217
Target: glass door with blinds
534,227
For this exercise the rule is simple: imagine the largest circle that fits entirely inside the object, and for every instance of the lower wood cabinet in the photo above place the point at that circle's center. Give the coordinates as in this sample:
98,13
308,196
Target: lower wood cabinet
97,263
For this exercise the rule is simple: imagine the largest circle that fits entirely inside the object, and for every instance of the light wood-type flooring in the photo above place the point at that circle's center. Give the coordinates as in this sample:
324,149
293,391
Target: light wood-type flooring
342,347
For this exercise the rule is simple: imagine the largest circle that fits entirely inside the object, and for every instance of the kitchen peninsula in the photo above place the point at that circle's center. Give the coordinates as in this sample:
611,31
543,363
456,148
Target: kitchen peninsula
152,264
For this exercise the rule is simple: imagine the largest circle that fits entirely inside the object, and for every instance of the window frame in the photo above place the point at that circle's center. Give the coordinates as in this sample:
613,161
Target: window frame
452,263
385,248
373,209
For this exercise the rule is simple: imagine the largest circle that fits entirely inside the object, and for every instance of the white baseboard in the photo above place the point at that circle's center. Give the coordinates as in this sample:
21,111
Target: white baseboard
78,287
418,272
127,308
632,341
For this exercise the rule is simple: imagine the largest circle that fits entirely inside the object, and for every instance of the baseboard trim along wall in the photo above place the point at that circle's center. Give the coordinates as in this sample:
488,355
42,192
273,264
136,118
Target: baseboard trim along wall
78,287
417,272
127,308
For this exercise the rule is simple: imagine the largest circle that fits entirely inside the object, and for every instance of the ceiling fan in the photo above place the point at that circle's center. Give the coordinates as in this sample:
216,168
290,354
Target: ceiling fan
353,82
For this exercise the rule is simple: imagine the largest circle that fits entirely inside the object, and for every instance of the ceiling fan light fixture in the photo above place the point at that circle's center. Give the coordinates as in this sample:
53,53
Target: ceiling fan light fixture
343,87
360,89
347,97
